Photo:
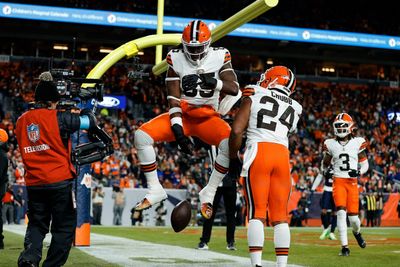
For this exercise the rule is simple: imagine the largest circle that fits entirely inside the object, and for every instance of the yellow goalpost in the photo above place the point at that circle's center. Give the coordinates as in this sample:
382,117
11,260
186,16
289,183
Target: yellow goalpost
131,48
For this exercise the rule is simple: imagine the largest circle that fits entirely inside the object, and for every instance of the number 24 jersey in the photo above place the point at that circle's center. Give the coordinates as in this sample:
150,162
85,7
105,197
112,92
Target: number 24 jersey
344,156
273,116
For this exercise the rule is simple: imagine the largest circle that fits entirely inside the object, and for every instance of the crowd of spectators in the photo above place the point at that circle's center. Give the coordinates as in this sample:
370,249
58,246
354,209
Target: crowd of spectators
350,16
369,106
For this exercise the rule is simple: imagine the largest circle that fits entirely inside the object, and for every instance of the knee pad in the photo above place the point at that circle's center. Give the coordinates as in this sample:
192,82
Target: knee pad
223,153
142,139
353,219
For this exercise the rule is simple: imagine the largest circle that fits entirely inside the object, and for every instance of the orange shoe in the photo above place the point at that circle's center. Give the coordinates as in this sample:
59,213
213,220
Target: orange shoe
206,210
152,198
143,205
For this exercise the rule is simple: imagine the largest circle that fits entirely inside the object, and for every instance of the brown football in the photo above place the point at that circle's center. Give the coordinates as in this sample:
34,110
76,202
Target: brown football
180,216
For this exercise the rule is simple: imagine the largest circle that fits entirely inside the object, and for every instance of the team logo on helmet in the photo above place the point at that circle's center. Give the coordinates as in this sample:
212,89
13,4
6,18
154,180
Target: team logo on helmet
343,125
278,77
33,132
196,39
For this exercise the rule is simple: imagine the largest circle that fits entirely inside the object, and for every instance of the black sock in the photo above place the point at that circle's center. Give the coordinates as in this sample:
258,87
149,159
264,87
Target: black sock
324,219
333,223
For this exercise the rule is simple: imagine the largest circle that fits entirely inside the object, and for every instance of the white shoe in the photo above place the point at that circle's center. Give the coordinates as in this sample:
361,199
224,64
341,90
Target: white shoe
202,246
324,234
152,197
205,196
332,236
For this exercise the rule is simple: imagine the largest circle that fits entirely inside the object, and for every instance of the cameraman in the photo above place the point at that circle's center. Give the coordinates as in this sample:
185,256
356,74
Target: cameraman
43,136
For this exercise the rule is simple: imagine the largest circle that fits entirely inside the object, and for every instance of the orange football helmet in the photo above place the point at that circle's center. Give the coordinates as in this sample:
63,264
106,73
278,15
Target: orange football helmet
343,125
278,77
196,39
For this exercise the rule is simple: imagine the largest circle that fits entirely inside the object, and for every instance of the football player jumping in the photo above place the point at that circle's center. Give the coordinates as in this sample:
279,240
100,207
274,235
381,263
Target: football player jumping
268,114
346,152
196,76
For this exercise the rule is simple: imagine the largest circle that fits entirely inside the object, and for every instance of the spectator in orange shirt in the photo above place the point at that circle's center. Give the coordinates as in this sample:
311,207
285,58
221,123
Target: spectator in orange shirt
96,167
125,182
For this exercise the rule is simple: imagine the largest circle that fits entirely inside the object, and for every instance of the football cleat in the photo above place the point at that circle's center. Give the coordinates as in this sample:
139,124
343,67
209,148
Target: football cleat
332,236
202,246
344,252
152,198
361,242
324,234
206,199
206,210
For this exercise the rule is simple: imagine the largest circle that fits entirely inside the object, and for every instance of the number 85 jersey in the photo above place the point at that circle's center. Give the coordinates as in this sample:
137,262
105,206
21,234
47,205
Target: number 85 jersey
210,65
344,156
273,116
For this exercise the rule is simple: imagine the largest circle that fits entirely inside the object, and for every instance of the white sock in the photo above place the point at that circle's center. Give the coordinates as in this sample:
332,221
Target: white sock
282,243
355,223
221,166
342,227
255,240
147,158
152,180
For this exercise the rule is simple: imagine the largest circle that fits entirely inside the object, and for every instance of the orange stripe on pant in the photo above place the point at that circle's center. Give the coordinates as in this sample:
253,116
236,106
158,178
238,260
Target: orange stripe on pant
204,123
345,193
268,183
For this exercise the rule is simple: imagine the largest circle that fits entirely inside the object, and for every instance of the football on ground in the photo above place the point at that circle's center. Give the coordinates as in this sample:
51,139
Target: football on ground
180,216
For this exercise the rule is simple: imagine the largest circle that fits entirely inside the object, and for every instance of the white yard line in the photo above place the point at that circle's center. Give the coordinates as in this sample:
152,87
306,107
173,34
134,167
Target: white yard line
128,252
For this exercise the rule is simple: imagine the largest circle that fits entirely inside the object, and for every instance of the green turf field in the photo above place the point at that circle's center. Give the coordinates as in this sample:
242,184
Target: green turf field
13,245
383,245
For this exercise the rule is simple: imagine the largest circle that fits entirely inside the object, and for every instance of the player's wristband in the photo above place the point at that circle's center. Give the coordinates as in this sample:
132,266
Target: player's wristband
174,110
176,120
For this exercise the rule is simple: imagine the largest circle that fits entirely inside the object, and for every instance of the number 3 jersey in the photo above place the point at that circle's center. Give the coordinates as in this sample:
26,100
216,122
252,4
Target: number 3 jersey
344,156
211,65
273,116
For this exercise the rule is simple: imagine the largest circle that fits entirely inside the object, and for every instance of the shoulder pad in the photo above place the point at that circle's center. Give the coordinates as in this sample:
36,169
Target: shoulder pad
227,57
363,143
327,144
247,91
170,55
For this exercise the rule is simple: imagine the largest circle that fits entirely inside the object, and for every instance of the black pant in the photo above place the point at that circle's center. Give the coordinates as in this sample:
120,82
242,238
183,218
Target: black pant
229,195
97,210
45,204
370,218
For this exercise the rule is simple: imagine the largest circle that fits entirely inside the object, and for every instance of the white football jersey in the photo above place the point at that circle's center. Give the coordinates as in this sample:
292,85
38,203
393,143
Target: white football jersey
344,156
273,116
211,65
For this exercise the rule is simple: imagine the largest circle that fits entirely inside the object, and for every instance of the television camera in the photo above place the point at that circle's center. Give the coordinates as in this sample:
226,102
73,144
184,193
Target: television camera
72,91
70,88
137,72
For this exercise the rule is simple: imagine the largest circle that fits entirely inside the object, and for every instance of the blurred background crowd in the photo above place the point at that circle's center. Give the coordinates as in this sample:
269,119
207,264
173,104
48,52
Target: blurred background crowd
368,104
